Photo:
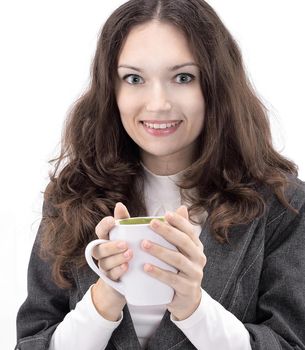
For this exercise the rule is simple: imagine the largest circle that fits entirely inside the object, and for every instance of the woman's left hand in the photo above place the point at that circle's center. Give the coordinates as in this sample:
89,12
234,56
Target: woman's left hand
189,260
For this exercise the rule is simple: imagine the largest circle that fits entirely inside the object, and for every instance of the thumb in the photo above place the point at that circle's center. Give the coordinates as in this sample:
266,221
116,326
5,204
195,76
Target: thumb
120,211
183,211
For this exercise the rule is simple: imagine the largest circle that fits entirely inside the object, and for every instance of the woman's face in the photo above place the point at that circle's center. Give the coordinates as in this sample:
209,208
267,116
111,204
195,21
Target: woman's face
159,96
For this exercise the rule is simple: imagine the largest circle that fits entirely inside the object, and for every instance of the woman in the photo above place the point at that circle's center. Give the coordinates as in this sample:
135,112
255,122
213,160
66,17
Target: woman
169,119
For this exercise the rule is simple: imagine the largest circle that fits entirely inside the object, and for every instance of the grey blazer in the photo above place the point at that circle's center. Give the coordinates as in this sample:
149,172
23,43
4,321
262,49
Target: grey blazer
259,277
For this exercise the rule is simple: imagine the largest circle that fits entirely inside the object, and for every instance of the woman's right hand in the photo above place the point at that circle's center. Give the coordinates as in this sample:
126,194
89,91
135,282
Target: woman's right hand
113,258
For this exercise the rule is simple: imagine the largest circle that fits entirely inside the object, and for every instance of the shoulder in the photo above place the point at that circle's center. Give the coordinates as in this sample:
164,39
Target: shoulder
295,196
48,208
282,223
296,190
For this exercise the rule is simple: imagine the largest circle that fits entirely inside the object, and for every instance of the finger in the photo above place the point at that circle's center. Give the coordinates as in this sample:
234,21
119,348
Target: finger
115,260
181,223
183,211
179,239
174,280
120,211
175,259
104,226
107,249
117,272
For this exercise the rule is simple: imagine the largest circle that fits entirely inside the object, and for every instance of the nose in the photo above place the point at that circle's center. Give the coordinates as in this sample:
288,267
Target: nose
158,100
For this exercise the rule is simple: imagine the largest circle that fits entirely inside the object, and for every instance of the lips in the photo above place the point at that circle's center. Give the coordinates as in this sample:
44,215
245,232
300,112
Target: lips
161,127
161,124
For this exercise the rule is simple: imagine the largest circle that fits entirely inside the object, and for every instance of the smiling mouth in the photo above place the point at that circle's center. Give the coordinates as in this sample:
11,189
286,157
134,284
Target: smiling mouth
161,125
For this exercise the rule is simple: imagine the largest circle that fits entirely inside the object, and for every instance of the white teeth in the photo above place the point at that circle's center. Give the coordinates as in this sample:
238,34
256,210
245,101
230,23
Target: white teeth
160,126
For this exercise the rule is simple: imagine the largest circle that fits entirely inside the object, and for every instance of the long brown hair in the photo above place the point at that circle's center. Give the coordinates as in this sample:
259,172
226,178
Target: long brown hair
99,164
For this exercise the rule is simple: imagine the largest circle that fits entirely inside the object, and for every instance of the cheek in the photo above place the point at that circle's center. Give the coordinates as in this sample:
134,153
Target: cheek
194,106
128,105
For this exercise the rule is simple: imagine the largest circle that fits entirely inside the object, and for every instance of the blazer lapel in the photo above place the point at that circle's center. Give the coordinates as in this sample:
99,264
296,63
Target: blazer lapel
167,336
124,336
223,260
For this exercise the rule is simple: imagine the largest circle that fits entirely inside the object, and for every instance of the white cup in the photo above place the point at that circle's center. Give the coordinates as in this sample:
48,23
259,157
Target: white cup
136,285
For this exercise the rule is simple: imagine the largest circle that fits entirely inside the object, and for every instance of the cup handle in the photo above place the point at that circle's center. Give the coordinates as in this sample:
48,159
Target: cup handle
88,254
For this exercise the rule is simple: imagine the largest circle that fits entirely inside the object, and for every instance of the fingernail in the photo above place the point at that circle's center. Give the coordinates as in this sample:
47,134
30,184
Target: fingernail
126,254
122,245
121,204
147,268
155,223
169,215
146,244
123,267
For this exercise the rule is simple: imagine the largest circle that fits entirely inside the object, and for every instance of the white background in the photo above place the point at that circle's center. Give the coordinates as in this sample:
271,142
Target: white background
46,51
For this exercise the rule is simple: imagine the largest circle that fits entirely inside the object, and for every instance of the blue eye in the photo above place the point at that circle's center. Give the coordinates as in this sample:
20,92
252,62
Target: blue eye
187,78
134,79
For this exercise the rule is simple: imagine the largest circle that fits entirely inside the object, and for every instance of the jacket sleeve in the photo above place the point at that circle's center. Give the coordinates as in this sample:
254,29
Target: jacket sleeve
45,306
280,323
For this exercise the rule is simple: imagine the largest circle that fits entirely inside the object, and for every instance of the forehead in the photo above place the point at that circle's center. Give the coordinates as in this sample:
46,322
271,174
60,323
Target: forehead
153,41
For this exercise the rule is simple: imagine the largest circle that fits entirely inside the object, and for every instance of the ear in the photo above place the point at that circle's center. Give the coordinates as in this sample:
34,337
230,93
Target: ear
183,211
120,211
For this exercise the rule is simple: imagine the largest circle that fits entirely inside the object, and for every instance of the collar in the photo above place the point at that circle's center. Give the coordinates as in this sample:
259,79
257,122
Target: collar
161,192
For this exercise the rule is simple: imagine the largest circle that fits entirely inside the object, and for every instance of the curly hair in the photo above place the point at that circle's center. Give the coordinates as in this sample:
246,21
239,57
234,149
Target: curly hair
99,164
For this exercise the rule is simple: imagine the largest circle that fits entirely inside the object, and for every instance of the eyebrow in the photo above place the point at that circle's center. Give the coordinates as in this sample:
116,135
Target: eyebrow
178,66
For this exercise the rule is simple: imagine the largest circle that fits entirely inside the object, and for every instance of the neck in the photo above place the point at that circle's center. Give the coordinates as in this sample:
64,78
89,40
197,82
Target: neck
164,166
